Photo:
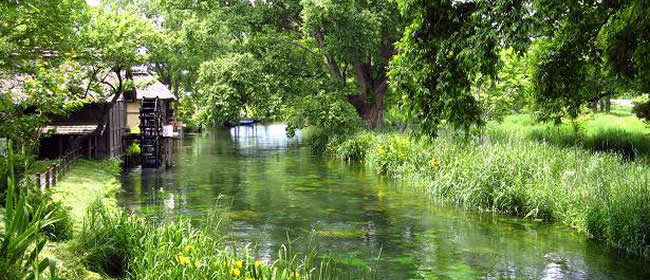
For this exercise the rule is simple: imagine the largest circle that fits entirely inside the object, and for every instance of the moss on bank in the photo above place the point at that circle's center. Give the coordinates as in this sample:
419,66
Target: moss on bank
596,193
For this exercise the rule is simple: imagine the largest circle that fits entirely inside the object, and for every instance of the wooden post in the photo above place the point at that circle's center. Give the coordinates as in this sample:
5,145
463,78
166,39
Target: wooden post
90,146
54,174
41,181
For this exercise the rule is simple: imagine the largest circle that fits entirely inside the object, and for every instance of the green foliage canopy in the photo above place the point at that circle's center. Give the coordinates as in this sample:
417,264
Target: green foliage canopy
587,44
445,47
39,76
310,48
232,86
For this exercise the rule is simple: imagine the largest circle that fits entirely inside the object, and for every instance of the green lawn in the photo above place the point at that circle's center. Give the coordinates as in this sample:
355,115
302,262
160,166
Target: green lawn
86,182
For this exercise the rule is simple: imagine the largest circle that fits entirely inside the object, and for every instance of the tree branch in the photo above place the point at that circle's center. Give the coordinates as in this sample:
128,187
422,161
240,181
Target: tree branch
93,76
331,61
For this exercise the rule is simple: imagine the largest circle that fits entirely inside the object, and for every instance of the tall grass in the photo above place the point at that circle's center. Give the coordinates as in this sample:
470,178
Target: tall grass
129,247
596,193
21,238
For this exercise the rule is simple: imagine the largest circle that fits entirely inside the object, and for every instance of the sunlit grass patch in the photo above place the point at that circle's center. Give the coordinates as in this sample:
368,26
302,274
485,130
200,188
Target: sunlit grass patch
620,133
85,182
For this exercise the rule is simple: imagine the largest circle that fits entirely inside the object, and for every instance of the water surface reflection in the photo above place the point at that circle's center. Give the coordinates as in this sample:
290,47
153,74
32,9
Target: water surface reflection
276,187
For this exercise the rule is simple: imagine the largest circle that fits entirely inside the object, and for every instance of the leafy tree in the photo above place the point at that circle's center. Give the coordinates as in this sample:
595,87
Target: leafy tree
188,35
37,29
60,53
508,90
445,48
602,44
356,39
28,100
114,41
38,75
231,86
311,48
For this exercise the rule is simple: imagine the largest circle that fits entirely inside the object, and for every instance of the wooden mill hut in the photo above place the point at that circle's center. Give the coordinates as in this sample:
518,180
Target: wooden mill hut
148,87
77,133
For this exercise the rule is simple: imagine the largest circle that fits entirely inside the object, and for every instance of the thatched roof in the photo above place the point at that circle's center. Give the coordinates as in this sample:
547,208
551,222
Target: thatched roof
147,86
14,86
80,129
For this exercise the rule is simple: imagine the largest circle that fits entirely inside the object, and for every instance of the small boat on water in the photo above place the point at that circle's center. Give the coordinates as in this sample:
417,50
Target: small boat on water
240,123
246,122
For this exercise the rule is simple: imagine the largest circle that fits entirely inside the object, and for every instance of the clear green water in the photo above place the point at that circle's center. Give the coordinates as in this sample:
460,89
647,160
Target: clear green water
275,187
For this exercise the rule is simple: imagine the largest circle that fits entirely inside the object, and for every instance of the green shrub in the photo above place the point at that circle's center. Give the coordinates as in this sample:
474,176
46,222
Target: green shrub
133,149
351,148
317,139
19,162
105,239
62,228
389,152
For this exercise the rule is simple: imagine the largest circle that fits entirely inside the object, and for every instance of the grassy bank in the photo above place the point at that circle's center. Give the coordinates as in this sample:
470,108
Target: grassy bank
618,132
86,182
110,244
599,194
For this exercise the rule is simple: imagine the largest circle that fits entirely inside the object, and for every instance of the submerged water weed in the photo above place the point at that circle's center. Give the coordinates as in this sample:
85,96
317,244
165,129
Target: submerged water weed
125,246
597,193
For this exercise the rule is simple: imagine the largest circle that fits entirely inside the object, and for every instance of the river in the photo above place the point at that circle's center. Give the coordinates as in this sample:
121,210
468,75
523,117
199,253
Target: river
273,188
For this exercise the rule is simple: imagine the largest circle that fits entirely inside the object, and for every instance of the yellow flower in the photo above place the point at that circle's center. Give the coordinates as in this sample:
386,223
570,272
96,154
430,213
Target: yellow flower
189,248
197,262
249,278
258,263
239,264
295,275
182,259
235,271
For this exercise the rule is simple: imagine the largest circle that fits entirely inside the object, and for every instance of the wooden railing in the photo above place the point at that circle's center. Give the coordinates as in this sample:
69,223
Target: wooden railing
48,178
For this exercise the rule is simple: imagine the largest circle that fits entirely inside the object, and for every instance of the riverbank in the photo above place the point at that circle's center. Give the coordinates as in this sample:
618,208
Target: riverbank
617,132
109,244
599,194
86,182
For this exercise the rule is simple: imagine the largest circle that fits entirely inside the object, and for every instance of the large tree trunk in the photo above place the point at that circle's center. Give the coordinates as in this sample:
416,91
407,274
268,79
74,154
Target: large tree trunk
370,101
370,111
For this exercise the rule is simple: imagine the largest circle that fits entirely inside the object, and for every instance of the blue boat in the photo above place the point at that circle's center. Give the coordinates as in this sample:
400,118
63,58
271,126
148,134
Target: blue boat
246,122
